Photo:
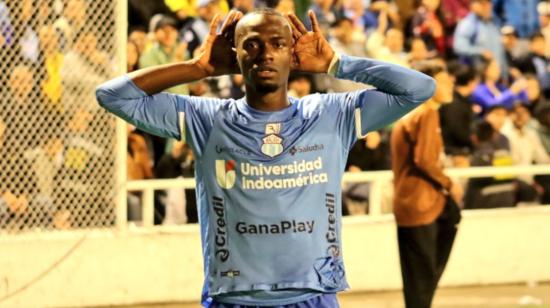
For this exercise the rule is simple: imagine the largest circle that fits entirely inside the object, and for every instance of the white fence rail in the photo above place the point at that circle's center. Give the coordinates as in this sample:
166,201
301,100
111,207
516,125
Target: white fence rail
377,179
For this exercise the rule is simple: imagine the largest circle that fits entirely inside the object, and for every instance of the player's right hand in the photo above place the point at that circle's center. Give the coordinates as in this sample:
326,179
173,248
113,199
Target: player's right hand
217,56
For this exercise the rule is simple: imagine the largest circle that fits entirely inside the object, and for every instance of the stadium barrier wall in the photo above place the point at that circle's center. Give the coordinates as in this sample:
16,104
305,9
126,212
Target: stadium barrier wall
164,264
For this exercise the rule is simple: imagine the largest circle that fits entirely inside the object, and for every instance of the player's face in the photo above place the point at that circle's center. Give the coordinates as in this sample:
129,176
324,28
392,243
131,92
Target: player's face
264,51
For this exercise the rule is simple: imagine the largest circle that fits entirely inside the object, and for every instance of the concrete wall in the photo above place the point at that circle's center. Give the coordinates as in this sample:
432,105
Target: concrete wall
165,264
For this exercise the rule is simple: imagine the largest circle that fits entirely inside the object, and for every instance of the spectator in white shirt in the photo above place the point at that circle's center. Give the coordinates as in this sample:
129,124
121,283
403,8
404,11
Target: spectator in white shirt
525,143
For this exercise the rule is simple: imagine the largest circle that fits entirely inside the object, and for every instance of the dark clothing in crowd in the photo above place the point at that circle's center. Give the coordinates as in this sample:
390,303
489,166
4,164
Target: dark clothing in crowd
491,192
457,119
539,66
369,159
170,167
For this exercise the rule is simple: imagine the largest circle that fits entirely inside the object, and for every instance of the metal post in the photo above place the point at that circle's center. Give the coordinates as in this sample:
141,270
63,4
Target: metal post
121,138
148,201
375,197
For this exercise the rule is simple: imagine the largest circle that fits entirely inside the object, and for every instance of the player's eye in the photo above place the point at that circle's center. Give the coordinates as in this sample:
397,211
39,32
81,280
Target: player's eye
251,45
280,44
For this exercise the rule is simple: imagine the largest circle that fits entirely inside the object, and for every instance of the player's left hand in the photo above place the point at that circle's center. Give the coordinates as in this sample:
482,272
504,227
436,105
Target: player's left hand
312,52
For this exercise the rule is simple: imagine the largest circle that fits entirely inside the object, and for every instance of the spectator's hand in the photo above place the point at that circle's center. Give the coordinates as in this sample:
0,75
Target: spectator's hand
518,85
435,27
515,73
98,58
312,51
22,204
373,140
182,14
457,192
11,201
380,6
217,56
486,54
383,22
181,50
353,168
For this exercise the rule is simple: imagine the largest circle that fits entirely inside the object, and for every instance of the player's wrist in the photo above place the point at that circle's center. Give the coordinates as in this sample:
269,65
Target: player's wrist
333,64
203,70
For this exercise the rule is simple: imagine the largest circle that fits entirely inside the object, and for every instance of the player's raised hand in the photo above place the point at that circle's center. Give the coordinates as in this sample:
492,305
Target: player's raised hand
216,56
312,51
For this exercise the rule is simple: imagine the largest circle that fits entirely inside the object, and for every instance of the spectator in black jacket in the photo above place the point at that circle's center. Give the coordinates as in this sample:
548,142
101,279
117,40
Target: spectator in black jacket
457,118
175,206
492,149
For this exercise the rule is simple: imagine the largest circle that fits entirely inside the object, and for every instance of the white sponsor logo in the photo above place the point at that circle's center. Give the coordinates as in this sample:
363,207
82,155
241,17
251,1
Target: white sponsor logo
225,173
260,176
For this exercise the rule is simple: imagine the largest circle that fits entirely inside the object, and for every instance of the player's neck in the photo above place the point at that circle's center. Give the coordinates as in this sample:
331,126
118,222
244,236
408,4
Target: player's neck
267,101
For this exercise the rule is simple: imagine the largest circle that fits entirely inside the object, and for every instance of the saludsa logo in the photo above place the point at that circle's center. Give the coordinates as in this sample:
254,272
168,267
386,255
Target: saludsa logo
225,173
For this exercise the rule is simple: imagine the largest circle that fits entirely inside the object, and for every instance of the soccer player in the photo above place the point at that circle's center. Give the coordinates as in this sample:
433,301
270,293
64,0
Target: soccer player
269,166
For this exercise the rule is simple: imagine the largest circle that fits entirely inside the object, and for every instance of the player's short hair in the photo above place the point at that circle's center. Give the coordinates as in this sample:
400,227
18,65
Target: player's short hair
266,11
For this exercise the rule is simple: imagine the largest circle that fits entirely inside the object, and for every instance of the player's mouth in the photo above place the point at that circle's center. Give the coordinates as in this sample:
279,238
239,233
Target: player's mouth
264,71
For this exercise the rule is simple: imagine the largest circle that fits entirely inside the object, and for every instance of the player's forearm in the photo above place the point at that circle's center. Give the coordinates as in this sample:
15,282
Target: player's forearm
156,114
155,79
412,86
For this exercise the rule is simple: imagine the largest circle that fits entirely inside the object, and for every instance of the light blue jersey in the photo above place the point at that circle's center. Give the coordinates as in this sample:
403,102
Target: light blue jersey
268,183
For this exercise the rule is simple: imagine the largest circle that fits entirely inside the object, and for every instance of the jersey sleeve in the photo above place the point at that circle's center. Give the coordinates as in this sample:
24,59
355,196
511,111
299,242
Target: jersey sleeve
398,90
164,114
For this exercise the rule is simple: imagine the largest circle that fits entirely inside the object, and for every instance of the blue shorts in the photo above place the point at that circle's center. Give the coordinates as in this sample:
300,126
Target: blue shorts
321,301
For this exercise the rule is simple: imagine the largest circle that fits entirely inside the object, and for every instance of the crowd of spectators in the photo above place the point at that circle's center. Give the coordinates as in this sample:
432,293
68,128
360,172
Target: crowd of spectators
54,162
497,51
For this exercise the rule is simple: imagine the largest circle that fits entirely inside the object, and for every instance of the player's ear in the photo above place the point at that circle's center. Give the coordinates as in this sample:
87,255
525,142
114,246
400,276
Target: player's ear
294,62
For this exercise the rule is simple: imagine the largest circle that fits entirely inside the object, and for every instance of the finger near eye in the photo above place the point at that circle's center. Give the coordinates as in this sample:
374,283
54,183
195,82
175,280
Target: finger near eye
297,24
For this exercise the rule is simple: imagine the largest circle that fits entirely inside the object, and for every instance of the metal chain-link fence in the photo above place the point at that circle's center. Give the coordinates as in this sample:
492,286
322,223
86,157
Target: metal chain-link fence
57,146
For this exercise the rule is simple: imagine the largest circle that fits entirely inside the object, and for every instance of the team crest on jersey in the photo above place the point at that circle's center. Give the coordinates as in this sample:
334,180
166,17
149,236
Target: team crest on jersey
272,143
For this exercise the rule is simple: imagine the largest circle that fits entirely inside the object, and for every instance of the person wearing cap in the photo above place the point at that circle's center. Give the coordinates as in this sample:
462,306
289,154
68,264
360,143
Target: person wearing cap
477,36
165,48
537,63
515,48
195,31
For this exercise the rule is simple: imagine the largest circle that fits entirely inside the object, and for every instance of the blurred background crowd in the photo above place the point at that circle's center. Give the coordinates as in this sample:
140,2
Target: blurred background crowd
498,53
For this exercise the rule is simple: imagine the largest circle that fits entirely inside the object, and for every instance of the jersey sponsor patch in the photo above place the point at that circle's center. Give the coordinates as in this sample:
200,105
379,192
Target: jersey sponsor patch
282,227
225,173
260,176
